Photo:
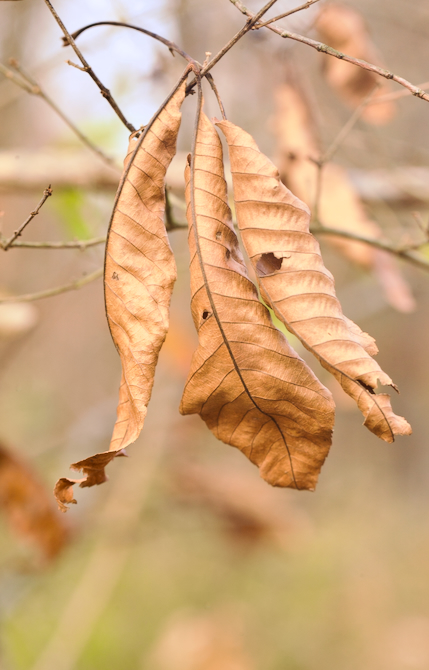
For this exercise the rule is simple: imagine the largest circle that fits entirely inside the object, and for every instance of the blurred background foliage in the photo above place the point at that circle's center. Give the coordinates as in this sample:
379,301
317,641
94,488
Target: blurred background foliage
185,559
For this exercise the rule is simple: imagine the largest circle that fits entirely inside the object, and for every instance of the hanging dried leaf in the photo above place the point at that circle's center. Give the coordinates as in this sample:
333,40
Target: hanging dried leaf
249,386
27,506
274,226
344,29
339,205
139,275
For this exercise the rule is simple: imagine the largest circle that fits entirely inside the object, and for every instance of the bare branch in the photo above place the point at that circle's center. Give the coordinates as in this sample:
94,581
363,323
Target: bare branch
29,84
76,244
245,29
406,253
306,5
104,91
172,46
324,48
79,283
6,245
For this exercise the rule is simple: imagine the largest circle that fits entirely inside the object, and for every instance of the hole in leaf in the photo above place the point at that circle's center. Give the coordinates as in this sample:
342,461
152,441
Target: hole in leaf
366,387
218,235
267,264
205,314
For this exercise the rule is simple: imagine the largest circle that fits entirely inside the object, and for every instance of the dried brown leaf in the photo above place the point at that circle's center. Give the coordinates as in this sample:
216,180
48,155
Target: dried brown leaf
140,272
344,29
274,226
28,507
247,384
339,205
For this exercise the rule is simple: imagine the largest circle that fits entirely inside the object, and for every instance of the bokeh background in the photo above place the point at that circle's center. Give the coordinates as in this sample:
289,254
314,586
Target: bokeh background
185,559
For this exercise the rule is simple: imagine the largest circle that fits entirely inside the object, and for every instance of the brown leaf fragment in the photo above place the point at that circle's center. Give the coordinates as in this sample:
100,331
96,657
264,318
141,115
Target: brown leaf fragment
248,385
339,205
140,272
301,292
344,29
28,507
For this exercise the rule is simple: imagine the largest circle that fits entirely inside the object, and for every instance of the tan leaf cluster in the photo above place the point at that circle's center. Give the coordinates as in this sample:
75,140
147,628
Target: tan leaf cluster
245,381
339,205
140,272
248,385
27,506
344,29
274,227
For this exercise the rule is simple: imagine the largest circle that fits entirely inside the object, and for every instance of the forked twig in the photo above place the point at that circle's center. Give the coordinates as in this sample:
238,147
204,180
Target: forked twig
6,245
306,5
172,46
324,48
104,91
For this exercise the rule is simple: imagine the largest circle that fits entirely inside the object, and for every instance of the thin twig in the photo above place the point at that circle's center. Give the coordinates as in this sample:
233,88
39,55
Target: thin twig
172,46
76,244
216,92
46,193
104,91
306,5
405,253
245,29
348,126
396,95
79,283
28,83
324,48
329,153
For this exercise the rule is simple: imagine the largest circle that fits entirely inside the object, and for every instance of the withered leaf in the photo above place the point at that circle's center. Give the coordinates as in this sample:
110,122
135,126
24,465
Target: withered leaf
344,29
339,205
252,390
28,506
275,224
140,272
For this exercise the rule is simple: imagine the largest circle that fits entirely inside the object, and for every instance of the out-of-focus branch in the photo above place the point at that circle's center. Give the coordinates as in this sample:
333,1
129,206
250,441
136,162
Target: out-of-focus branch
76,244
407,252
329,153
29,84
324,48
5,245
396,95
104,91
79,283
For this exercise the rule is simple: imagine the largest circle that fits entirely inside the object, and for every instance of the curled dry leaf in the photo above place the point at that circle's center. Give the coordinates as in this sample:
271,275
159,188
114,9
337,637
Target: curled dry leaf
140,272
28,506
339,205
252,390
274,226
344,29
